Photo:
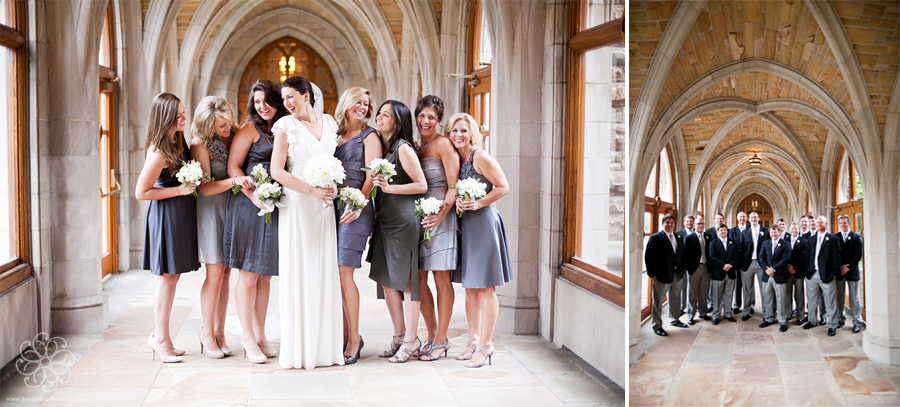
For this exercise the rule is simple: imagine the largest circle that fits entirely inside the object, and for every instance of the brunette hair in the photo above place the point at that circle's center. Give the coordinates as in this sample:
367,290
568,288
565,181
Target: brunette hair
433,102
300,84
272,98
164,116
402,123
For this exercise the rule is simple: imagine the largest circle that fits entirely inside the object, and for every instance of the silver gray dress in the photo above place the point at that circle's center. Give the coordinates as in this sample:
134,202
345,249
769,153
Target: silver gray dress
483,255
211,209
441,252
352,237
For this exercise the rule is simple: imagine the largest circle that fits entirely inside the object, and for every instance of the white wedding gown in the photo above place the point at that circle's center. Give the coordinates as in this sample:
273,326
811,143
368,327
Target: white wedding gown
309,286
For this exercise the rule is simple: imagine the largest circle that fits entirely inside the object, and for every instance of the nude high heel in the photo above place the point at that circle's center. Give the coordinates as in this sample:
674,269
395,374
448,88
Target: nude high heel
212,354
154,350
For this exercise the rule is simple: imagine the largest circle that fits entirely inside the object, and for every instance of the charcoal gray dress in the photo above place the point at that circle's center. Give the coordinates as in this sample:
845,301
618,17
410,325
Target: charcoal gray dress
352,238
211,209
170,228
250,243
441,252
395,240
483,255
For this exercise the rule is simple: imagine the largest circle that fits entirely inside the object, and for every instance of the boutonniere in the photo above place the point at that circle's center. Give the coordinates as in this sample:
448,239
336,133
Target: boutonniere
760,233
678,236
779,245
826,238
730,242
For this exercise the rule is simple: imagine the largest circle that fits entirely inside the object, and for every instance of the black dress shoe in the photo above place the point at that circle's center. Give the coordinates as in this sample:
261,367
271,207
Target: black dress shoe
709,309
765,324
794,312
660,332
679,324
730,319
802,321
840,324
745,317
691,321
783,328
736,310
856,328
706,318
823,321
831,332
751,311
809,325
715,322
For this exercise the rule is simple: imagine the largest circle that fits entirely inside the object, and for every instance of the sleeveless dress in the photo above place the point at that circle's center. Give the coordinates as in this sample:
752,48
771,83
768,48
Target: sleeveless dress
441,252
170,228
483,255
211,209
309,296
352,238
250,243
395,240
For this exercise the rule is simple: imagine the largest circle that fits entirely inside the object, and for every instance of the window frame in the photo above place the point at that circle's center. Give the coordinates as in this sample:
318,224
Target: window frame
19,268
594,279
656,206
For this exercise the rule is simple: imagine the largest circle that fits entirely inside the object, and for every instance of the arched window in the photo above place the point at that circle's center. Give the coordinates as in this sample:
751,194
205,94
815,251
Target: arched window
659,200
281,59
110,187
758,204
848,197
481,56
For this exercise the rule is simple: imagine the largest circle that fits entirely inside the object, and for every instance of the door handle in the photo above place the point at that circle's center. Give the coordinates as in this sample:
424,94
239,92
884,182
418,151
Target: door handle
112,179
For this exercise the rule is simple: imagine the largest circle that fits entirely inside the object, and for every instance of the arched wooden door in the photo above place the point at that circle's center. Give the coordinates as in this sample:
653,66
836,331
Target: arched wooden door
758,204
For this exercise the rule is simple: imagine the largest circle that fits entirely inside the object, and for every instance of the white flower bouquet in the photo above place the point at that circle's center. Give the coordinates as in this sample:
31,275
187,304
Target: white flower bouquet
380,166
258,174
352,198
426,207
192,173
323,171
269,193
470,189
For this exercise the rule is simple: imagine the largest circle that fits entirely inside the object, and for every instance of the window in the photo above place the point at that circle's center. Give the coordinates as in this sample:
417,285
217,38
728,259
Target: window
15,244
479,71
110,187
594,234
756,203
659,201
848,196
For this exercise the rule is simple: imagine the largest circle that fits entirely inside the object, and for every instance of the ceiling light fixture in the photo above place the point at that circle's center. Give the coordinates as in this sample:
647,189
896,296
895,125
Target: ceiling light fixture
755,160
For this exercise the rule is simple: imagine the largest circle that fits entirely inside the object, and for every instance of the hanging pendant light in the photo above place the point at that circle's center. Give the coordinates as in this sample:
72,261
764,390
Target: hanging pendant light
755,161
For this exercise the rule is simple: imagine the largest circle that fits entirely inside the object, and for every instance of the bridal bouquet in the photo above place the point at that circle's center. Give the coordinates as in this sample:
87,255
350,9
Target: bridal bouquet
352,198
380,166
269,193
323,171
426,207
258,174
192,173
470,189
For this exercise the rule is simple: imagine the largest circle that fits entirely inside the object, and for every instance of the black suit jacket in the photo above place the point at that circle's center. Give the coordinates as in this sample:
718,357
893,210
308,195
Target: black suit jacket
748,244
799,256
710,234
663,262
691,256
738,238
829,257
778,260
851,254
719,256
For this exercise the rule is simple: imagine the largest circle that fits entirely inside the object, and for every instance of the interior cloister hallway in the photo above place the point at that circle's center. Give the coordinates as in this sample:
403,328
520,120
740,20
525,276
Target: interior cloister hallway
114,368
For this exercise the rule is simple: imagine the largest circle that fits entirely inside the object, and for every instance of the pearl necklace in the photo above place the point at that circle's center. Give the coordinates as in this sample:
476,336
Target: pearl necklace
310,124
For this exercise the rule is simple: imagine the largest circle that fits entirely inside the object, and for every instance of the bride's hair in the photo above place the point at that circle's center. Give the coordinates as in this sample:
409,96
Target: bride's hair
402,123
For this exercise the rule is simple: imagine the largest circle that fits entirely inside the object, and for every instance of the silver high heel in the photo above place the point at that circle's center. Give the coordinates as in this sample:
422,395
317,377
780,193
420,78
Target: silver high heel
428,357
470,344
154,350
486,350
392,350
405,351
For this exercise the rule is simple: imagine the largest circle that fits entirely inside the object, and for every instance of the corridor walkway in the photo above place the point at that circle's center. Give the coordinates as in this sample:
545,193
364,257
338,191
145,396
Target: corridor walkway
113,368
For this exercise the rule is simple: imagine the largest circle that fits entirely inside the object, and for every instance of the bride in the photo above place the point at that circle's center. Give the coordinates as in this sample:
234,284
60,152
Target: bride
310,292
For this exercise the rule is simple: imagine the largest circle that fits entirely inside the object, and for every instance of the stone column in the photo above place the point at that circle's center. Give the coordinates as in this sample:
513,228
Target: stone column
881,339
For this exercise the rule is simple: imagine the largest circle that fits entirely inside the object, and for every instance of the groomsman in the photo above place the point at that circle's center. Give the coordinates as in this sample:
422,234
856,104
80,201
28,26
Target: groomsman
711,234
723,264
804,227
751,272
774,255
824,263
797,269
737,234
785,234
663,258
851,253
694,263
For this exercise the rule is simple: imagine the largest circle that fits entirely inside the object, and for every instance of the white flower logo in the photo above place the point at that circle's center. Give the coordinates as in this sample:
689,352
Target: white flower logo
45,361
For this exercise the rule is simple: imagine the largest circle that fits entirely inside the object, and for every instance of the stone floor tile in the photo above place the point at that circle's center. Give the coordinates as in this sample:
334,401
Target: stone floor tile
754,370
87,397
98,369
652,375
839,345
688,394
810,385
795,335
645,401
892,399
201,386
577,387
305,385
755,395
679,341
858,375
891,373
798,353
505,371
755,342
709,355
539,357
502,396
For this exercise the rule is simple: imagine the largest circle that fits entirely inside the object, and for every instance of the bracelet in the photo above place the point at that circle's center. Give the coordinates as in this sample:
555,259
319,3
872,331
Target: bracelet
232,182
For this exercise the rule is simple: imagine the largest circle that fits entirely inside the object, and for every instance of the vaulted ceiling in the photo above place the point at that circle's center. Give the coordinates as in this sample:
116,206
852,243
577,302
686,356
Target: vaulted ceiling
785,113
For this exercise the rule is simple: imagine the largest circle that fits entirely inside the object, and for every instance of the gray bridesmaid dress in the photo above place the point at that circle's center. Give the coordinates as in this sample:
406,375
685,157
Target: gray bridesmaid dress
211,209
483,255
395,240
170,228
352,238
441,252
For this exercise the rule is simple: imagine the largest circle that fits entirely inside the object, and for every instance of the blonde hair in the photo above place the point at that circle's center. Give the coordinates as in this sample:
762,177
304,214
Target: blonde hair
164,116
477,139
348,99
208,110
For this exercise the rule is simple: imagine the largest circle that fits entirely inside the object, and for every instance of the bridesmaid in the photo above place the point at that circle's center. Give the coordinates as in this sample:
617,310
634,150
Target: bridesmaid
170,236
212,131
483,261
440,163
358,145
251,245
394,248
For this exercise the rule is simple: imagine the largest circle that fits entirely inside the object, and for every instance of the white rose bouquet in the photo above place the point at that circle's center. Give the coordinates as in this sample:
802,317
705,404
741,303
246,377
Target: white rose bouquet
269,193
258,174
380,166
352,198
470,189
323,171
192,173
426,207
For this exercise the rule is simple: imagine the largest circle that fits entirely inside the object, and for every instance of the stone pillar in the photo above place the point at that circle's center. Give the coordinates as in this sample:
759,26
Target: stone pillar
516,132
73,171
881,339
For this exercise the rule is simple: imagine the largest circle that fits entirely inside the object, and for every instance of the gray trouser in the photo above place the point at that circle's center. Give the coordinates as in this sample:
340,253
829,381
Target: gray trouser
698,291
659,292
722,290
816,288
775,300
748,278
855,308
684,296
795,286
822,308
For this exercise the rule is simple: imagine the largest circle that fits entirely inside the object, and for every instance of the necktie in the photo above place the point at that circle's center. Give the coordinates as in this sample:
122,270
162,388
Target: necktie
845,237
672,240
818,248
774,245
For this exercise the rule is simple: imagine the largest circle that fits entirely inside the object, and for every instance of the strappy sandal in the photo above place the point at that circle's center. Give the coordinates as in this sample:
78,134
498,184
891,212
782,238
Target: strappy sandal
430,356
392,350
